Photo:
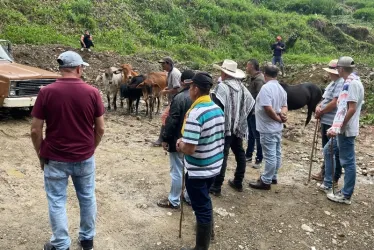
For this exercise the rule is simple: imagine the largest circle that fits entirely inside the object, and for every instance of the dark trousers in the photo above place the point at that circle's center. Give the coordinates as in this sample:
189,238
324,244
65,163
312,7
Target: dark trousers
253,138
198,191
236,145
325,139
89,44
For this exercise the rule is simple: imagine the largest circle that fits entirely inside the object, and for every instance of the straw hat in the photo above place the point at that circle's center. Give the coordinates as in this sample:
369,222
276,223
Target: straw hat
230,67
332,67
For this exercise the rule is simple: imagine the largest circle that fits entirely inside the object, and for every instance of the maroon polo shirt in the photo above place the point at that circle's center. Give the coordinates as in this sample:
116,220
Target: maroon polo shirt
69,107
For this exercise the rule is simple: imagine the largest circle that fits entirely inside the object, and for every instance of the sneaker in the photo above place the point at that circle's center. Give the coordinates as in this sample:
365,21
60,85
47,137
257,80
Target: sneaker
86,244
339,197
82,49
165,203
323,188
49,246
89,50
257,164
248,159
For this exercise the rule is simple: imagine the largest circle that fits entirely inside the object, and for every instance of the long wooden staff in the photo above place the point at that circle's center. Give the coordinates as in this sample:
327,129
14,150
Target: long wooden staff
313,150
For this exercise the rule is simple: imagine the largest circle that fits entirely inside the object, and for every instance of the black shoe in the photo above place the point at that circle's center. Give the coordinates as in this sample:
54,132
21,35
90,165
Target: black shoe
236,187
215,191
49,246
274,182
260,185
86,244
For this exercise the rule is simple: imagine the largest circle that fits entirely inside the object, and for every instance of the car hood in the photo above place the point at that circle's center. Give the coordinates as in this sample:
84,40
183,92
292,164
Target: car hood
17,71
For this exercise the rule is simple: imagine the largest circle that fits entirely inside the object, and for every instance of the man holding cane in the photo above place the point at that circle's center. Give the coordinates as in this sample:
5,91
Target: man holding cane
345,127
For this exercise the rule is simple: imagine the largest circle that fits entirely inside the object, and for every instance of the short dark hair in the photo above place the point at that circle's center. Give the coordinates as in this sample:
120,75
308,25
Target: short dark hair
271,70
255,64
203,91
348,69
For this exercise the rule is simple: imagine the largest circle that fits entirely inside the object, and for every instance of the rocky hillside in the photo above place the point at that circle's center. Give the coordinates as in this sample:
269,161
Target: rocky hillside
198,32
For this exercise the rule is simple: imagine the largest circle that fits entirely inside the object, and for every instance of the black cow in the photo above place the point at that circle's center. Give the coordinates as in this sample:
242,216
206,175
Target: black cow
304,94
131,93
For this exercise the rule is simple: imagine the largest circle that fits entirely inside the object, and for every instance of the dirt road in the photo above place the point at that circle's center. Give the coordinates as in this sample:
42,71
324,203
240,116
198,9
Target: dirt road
132,176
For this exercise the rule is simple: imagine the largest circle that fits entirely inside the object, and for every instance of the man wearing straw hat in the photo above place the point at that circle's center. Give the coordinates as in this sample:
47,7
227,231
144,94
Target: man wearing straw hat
236,102
346,128
326,111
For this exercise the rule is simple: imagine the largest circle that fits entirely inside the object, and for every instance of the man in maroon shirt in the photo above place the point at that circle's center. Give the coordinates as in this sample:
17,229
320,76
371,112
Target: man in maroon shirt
73,113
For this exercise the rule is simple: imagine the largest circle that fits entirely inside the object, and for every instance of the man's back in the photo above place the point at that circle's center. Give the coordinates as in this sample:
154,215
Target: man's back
355,94
271,94
69,106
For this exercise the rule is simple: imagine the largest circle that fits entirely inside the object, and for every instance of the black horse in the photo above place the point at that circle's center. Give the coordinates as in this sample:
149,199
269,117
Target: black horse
304,94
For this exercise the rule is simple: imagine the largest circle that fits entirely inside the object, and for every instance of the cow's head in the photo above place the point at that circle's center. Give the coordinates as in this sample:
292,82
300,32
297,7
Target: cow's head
108,75
126,70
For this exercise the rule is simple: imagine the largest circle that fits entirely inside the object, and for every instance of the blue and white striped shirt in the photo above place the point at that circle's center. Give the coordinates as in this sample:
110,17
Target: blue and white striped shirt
205,127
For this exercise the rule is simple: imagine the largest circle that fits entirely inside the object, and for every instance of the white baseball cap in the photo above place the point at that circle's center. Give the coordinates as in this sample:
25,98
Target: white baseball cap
70,59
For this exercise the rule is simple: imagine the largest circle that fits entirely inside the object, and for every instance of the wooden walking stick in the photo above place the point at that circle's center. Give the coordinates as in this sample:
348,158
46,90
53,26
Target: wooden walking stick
332,163
181,202
313,150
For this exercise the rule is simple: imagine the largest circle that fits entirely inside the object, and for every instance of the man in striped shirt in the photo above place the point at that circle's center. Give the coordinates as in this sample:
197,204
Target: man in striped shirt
202,143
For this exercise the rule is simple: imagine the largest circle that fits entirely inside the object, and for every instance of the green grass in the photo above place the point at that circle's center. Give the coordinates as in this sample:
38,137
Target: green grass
198,32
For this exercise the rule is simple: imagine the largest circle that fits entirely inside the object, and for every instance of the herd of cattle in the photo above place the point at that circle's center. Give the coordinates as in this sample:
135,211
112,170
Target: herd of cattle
133,86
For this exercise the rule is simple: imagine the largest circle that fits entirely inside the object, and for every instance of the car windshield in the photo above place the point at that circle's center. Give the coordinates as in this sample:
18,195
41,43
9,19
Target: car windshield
4,52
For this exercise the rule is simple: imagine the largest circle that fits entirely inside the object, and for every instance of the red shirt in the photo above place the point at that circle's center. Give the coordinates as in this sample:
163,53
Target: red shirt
69,106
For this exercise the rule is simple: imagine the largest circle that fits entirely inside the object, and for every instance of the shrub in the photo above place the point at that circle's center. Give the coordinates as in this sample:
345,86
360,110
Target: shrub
366,14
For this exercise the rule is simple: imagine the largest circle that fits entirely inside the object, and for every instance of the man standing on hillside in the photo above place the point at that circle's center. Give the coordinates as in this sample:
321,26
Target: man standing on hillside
180,103
86,41
236,102
326,111
271,113
173,85
254,83
346,128
73,112
278,48
202,143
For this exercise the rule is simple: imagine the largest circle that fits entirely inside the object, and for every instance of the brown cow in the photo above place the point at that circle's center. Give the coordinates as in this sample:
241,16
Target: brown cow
152,86
127,74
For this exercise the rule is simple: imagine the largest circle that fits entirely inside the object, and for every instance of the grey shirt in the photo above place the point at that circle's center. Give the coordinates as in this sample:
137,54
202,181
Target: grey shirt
173,80
355,94
271,94
332,91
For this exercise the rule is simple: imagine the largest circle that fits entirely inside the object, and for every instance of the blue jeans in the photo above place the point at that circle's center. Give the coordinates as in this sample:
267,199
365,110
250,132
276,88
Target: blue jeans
56,175
277,59
198,190
325,139
176,174
253,137
346,147
271,146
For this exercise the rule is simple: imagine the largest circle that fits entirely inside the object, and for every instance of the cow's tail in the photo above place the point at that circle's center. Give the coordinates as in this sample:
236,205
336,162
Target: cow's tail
316,97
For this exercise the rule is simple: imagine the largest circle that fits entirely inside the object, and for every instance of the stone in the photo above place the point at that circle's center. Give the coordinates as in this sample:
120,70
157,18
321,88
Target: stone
241,247
334,241
158,243
307,228
327,213
169,213
313,248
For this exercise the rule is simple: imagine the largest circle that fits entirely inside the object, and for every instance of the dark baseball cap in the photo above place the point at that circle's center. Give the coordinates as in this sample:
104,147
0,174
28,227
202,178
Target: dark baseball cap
187,76
203,80
70,59
167,60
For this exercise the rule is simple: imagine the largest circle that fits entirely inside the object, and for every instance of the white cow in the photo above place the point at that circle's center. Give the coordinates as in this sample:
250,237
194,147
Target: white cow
111,80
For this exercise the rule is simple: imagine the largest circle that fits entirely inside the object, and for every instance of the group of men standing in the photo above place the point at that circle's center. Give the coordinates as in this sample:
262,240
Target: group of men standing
200,126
